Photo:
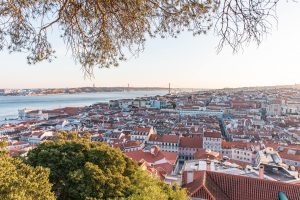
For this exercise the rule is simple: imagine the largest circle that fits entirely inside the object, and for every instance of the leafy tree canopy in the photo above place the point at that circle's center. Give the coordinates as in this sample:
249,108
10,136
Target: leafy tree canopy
20,181
80,169
100,32
3,150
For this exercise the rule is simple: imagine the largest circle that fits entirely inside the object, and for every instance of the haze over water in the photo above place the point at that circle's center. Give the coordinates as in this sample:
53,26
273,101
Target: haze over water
9,105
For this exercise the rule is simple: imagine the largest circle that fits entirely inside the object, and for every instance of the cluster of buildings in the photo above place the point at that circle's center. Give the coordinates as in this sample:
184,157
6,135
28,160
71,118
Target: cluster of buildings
21,92
214,143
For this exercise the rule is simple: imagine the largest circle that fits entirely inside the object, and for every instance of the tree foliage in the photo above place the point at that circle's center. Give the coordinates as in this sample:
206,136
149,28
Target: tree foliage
145,187
3,150
242,21
19,181
80,169
100,33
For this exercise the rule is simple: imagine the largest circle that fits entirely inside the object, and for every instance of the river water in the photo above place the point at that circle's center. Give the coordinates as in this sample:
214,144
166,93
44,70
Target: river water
9,105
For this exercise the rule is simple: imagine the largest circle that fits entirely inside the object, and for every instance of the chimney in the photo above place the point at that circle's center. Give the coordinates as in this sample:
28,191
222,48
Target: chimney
154,150
208,163
261,171
190,177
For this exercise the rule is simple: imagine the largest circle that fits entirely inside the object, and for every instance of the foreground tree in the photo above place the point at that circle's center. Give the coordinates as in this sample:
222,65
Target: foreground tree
21,181
3,150
80,169
100,32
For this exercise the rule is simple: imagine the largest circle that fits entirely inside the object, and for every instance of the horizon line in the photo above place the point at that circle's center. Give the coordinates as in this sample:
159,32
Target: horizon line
158,87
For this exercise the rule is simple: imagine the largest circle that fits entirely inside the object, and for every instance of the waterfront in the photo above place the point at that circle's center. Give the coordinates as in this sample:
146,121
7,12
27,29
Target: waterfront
9,105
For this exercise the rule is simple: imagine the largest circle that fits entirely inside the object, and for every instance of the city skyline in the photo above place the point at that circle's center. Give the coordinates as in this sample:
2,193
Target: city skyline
213,113
186,62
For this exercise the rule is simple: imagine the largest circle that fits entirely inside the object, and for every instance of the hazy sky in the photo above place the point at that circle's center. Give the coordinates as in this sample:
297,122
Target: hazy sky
185,62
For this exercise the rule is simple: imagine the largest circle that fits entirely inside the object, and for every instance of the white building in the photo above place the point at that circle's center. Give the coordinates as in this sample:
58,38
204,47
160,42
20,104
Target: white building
201,112
142,133
290,156
37,137
27,114
167,143
212,141
240,151
6,130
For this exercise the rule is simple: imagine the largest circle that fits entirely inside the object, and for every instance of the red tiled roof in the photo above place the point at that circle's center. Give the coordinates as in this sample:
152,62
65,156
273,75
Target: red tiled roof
296,182
170,156
67,110
212,134
19,143
166,168
237,145
160,170
220,186
132,143
164,138
150,158
191,142
205,154
285,154
16,152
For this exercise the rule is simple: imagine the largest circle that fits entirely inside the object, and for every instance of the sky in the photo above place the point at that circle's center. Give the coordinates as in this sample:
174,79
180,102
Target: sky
185,62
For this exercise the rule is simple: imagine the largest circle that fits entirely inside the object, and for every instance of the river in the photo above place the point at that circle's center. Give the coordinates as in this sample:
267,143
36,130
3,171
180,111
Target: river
9,105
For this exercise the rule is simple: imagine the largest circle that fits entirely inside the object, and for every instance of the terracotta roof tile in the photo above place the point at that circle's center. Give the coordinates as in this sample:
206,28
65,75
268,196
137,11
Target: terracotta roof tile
164,138
236,187
150,158
290,154
212,134
191,142
207,154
